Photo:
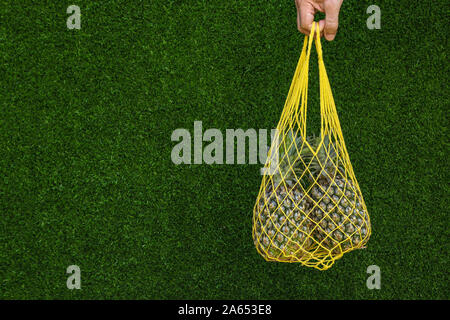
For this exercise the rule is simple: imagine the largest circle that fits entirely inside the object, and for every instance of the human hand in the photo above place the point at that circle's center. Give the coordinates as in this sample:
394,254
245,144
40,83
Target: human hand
305,16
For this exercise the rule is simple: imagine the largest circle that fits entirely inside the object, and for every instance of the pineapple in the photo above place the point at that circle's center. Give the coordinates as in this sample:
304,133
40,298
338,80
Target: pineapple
281,226
291,224
341,221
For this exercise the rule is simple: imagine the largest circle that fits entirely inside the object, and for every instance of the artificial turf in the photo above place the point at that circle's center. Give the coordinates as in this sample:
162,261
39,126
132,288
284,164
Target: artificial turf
85,139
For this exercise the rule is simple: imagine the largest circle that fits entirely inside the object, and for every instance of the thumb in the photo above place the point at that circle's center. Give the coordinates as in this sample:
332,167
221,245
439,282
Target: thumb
331,19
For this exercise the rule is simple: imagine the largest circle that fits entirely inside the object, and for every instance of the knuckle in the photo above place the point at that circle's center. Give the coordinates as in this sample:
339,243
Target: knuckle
331,26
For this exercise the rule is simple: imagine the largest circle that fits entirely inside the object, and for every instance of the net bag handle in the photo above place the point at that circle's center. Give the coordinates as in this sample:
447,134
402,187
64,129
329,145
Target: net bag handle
292,115
295,108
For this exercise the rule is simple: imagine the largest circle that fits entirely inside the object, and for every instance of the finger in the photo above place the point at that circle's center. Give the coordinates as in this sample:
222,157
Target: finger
321,27
297,6
331,19
298,21
306,17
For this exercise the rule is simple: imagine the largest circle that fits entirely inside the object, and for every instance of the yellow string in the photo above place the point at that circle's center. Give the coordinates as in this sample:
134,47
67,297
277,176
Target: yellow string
311,210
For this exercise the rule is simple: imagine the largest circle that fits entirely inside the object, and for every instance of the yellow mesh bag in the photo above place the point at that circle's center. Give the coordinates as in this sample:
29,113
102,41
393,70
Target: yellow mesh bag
309,208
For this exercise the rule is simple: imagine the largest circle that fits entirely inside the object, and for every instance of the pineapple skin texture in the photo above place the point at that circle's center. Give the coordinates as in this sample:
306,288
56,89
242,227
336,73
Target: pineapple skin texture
313,225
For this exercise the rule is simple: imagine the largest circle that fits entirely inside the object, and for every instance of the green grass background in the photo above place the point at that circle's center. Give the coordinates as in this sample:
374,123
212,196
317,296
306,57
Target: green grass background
86,173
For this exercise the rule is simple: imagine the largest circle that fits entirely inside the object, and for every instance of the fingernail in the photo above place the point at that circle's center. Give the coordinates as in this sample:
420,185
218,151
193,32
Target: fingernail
329,37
